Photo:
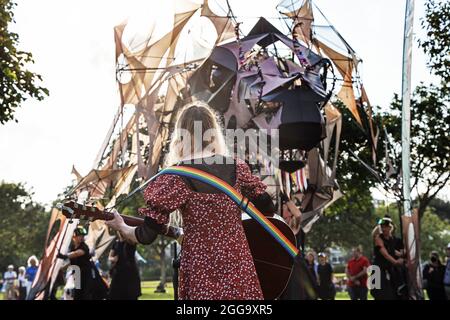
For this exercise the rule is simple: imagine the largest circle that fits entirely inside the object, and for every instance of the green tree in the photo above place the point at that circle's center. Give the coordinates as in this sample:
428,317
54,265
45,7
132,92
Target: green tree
349,221
442,208
434,234
23,225
346,224
430,142
17,83
437,43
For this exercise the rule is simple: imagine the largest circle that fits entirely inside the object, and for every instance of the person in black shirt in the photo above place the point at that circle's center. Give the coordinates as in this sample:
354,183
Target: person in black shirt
433,277
125,280
326,288
386,259
399,272
311,267
302,285
92,286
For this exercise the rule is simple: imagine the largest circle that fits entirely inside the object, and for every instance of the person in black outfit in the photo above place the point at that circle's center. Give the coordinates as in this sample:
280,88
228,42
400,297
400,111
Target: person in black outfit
302,284
433,277
311,268
92,285
385,258
326,288
125,280
22,284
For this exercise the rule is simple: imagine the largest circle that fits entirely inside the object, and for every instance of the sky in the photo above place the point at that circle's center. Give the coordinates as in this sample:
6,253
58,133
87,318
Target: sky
72,43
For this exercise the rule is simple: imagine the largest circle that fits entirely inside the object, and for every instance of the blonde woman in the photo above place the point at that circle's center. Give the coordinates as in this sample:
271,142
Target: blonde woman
385,258
216,262
22,284
30,273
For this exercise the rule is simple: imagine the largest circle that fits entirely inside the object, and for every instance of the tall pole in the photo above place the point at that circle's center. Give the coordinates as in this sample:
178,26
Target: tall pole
406,104
410,225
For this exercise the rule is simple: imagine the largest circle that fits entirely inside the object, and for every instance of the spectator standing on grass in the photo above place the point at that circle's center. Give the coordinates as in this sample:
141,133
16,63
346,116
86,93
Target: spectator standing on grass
9,278
125,280
447,274
327,291
356,272
385,256
433,277
31,271
311,266
22,284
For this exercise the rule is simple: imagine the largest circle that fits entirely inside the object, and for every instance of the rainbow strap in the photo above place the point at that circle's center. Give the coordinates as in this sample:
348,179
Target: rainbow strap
248,207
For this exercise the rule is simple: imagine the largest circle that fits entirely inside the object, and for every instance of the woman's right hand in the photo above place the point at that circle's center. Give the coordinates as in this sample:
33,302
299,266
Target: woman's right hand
117,223
399,262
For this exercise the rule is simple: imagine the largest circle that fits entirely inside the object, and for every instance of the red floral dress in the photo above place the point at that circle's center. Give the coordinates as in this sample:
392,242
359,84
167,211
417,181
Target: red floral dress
216,262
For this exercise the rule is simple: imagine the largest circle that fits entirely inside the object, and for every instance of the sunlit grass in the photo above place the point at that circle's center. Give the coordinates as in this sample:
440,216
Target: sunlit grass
148,291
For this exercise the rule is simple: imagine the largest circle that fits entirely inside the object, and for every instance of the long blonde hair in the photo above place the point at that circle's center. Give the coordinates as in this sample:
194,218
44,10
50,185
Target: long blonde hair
376,231
187,143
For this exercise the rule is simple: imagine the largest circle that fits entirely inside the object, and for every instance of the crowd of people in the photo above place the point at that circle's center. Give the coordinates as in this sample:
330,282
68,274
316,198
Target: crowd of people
436,276
16,285
125,284
389,257
122,282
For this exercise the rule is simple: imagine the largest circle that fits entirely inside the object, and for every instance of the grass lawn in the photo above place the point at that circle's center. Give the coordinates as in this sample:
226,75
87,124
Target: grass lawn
147,288
148,291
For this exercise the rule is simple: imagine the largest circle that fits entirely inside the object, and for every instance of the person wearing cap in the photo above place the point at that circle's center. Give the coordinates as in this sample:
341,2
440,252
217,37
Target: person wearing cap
80,256
385,258
326,288
433,277
447,274
9,278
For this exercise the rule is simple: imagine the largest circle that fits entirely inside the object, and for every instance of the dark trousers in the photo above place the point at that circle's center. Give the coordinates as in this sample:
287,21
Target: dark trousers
386,290
357,292
437,293
22,293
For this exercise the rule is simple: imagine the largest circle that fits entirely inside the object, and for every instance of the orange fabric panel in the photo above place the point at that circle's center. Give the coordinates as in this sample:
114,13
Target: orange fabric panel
347,96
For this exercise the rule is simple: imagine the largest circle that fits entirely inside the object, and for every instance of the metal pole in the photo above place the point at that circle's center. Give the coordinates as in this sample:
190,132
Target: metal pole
406,102
411,245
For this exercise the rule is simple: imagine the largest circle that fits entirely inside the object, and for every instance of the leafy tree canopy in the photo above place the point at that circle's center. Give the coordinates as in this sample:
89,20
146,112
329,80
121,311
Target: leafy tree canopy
17,83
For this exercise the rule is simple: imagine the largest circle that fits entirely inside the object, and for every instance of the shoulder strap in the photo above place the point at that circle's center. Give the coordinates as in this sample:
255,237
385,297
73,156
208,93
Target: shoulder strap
238,198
